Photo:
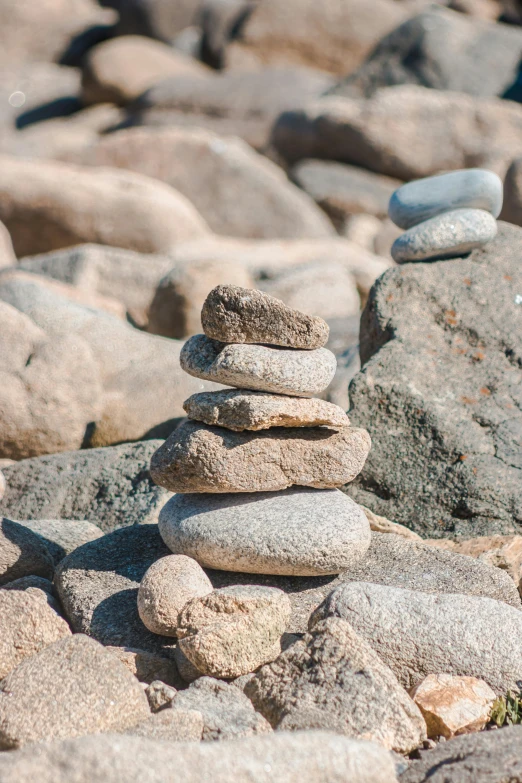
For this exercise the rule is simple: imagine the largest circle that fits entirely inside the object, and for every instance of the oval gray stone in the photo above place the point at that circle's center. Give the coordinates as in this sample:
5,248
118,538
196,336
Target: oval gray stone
425,198
259,367
450,235
298,532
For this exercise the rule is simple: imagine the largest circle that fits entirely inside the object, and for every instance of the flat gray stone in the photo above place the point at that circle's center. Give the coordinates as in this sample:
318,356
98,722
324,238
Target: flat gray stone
22,553
426,198
299,531
199,458
232,314
259,367
333,679
487,756
417,634
290,757
63,536
448,235
249,410
227,712
109,487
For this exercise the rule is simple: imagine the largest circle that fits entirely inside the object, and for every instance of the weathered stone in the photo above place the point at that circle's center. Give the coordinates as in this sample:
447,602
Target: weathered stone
109,487
166,587
503,552
27,625
147,667
199,458
63,536
453,705
452,234
226,711
486,757
98,586
159,695
440,391
22,553
248,410
343,190
259,367
444,50
120,69
172,726
188,672
235,630
232,314
382,525
71,688
50,391
302,757
426,198
65,205
333,679
298,532
417,634
237,191
484,132
175,310
391,560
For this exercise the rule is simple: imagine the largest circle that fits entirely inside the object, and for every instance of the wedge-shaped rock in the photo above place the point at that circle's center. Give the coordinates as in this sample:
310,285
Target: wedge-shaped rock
235,630
453,705
71,688
333,679
304,757
249,410
199,458
297,532
259,367
244,315
417,634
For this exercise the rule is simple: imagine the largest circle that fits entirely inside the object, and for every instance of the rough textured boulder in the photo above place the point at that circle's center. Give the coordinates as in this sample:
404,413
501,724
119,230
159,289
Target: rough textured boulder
22,553
305,757
110,487
503,552
50,389
237,191
64,205
27,625
440,391
333,679
63,536
227,713
488,756
484,132
71,688
149,668
444,50
417,634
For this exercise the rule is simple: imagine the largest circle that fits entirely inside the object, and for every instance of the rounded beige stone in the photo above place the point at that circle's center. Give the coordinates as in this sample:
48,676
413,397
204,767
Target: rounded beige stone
165,589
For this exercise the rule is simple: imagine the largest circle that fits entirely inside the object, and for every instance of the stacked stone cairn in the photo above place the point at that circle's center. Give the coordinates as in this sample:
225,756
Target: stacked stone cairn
256,471
446,216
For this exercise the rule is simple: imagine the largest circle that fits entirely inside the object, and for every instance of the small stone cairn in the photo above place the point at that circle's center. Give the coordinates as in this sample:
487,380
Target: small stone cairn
256,471
446,216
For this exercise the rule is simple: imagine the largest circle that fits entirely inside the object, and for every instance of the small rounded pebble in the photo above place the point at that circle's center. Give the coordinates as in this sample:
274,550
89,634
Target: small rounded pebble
165,589
450,235
423,199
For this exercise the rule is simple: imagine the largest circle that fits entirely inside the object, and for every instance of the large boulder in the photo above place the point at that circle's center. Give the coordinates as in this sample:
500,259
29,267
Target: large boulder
110,487
484,132
46,205
237,191
445,50
50,388
305,757
143,385
440,393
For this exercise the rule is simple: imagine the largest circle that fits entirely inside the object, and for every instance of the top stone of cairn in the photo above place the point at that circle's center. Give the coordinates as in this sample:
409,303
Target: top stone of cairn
244,315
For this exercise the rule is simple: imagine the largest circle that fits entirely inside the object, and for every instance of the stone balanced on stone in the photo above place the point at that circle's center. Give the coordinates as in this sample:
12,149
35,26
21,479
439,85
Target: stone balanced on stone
257,467
446,216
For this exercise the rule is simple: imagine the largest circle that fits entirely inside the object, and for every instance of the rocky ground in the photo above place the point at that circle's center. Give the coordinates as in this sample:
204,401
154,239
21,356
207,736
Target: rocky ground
261,391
